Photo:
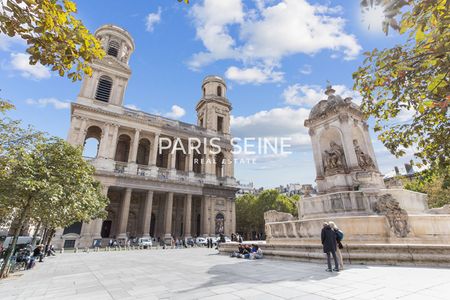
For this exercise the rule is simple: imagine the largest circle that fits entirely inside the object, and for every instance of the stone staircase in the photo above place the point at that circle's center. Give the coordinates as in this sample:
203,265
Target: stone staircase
368,254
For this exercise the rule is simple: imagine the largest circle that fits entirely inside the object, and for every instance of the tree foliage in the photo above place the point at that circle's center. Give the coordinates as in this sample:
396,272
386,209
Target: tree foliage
432,184
412,77
54,36
250,209
49,183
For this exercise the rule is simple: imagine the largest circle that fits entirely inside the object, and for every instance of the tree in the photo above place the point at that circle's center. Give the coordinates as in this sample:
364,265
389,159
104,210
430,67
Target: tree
431,184
250,209
411,77
245,218
54,36
51,184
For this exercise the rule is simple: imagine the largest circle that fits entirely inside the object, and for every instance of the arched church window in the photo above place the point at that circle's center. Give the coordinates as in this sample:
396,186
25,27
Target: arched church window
113,48
104,89
219,91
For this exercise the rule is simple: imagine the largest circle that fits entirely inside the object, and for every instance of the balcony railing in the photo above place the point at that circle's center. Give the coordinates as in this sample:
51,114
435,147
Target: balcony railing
120,167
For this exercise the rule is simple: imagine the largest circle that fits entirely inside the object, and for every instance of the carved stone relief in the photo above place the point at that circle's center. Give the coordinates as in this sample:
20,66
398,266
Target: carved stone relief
364,160
397,217
334,159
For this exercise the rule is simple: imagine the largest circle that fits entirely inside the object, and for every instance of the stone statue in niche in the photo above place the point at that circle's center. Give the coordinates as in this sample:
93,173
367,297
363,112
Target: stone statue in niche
397,217
125,53
364,160
334,159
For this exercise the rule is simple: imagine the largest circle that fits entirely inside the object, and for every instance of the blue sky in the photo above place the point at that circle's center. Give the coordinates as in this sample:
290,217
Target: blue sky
276,56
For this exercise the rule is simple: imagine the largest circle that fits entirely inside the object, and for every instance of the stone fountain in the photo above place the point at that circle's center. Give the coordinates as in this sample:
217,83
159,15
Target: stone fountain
381,225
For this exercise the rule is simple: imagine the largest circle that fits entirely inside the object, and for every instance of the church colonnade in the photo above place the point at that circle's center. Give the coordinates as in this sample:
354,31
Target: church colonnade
135,146
144,213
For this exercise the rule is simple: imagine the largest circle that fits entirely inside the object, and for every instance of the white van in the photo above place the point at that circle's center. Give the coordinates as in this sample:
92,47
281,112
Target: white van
22,240
145,242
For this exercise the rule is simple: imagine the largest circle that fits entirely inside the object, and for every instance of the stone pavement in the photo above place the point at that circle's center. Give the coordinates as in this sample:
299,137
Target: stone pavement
202,274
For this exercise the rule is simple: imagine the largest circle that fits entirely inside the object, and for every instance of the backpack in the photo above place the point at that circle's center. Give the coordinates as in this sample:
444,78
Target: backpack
340,235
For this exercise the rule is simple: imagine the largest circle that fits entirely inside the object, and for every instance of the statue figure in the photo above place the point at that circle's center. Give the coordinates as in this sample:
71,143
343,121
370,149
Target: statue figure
124,54
334,158
364,160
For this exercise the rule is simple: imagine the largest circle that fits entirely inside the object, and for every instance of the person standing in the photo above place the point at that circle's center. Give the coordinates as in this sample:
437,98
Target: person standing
339,237
328,237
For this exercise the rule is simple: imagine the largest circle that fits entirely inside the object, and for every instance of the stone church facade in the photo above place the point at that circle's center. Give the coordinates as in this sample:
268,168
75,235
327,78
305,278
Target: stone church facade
154,191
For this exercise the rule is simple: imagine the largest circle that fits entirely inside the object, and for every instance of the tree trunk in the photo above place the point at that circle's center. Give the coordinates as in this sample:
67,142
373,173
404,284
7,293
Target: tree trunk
33,241
51,233
12,246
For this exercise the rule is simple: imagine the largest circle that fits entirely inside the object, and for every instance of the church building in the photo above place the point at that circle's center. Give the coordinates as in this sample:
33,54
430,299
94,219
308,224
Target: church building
154,190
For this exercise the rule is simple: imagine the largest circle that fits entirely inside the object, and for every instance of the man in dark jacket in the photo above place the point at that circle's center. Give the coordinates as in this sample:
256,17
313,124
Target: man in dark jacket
329,246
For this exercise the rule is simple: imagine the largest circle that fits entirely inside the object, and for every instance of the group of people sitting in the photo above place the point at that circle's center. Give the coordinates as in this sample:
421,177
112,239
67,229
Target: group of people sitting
248,252
28,256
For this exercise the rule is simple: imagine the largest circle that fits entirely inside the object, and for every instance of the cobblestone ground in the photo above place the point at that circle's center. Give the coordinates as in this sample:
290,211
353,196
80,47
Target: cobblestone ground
202,274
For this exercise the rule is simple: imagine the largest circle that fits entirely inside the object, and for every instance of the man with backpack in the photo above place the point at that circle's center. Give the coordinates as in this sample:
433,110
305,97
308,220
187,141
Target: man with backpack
339,238
329,242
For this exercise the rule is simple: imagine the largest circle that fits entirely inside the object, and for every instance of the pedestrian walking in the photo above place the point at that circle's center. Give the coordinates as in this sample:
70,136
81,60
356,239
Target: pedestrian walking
328,237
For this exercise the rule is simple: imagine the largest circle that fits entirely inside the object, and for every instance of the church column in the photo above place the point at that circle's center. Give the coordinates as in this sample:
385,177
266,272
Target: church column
154,153
124,212
205,216
187,216
173,159
82,133
134,149
113,144
212,216
104,142
147,215
168,217
98,223
190,159
233,216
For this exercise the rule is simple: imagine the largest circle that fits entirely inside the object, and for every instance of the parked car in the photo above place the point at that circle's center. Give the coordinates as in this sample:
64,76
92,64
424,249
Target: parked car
201,241
145,242
190,242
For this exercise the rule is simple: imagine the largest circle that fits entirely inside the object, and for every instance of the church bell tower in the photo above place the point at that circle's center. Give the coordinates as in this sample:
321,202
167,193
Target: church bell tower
110,75
213,109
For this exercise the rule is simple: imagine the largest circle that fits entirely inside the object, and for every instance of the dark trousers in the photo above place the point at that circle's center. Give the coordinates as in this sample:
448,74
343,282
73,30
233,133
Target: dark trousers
336,265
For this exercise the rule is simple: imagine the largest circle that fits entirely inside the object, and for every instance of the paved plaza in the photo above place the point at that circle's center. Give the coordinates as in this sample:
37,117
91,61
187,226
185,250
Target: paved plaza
202,274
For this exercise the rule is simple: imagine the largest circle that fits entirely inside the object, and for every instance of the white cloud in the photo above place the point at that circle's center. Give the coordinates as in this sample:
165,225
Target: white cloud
176,112
253,75
152,19
132,106
309,95
21,62
44,102
212,19
7,42
405,115
269,32
268,124
306,69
